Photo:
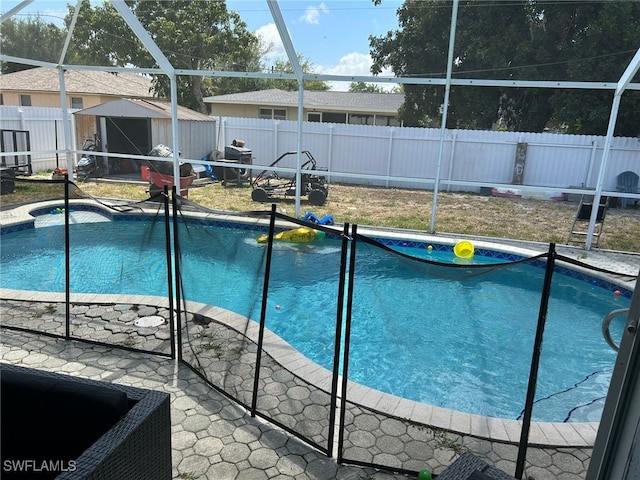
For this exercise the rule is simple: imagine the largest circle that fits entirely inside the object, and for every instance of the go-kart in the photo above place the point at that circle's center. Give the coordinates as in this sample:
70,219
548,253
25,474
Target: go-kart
269,184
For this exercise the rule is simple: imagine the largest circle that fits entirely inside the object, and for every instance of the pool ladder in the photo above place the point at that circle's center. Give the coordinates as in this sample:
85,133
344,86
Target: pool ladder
631,327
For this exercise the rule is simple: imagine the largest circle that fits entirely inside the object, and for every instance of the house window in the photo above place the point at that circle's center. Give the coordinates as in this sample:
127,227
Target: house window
357,119
329,117
1,99
387,121
314,117
273,113
76,102
25,100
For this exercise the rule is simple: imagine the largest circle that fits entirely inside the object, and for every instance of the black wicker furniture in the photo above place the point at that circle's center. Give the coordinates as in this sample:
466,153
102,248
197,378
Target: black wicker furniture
71,428
469,467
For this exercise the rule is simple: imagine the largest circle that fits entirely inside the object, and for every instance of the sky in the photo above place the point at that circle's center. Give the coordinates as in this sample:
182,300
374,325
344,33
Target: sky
333,35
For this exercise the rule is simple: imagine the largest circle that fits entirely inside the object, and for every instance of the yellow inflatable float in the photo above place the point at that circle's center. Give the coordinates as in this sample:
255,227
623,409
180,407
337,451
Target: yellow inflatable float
464,249
297,235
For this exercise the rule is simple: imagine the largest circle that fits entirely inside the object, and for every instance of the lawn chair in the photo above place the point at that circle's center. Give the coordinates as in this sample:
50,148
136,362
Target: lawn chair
580,227
627,182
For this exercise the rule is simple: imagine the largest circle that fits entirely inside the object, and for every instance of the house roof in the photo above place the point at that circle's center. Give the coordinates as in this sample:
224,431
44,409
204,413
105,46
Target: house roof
329,100
44,79
139,108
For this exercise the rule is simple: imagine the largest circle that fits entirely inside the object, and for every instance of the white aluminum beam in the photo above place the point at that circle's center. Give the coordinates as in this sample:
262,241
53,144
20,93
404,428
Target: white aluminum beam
625,78
67,40
143,36
114,69
340,78
286,39
476,82
10,13
445,110
168,69
65,124
26,61
629,73
297,69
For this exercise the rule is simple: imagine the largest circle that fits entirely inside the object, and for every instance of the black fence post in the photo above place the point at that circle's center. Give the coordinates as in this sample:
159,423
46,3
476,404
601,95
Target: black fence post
67,260
263,312
338,337
535,362
167,233
347,342
176,249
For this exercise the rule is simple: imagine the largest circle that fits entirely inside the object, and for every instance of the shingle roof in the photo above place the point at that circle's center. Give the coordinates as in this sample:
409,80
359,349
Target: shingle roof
130,107
329,100
43,79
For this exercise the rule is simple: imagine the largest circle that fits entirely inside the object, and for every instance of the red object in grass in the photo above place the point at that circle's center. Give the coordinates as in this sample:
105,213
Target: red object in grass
506,193
160,180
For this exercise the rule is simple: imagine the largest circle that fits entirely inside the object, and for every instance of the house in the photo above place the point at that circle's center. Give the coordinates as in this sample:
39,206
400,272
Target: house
135,126
40,87
325,106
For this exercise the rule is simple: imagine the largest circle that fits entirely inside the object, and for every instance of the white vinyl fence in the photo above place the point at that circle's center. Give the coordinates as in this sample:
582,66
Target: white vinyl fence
389,156
45,127
408,157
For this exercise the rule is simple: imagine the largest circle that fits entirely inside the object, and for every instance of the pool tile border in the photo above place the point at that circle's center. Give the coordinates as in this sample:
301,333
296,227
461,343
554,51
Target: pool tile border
493,250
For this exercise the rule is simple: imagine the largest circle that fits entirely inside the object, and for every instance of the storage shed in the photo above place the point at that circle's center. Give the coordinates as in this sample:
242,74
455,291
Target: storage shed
135,126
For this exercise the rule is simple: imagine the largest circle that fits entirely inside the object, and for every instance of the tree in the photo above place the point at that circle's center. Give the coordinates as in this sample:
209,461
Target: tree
615,24
362,87
32,38
284,66
193,35
520,39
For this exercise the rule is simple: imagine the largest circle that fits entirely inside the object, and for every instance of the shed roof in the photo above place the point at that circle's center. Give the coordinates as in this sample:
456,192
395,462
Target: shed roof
326,100
44,79
138,108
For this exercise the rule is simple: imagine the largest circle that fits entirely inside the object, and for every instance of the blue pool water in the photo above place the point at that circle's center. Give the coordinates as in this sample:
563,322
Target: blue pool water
460,340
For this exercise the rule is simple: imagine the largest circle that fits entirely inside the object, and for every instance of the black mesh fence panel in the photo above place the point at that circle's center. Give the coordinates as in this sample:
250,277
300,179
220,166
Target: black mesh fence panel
299,350
33,253
439,355
220,268
223,279
576,363
119,275
573,390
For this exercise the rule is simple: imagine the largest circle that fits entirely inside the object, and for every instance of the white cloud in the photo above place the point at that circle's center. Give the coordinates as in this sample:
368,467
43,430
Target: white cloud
312,14
270,38
353,64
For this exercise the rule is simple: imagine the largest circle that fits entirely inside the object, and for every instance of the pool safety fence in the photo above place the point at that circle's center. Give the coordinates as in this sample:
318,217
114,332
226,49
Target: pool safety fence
228,288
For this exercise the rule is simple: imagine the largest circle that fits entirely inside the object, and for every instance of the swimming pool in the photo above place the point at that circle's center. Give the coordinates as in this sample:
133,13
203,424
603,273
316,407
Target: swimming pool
460,341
